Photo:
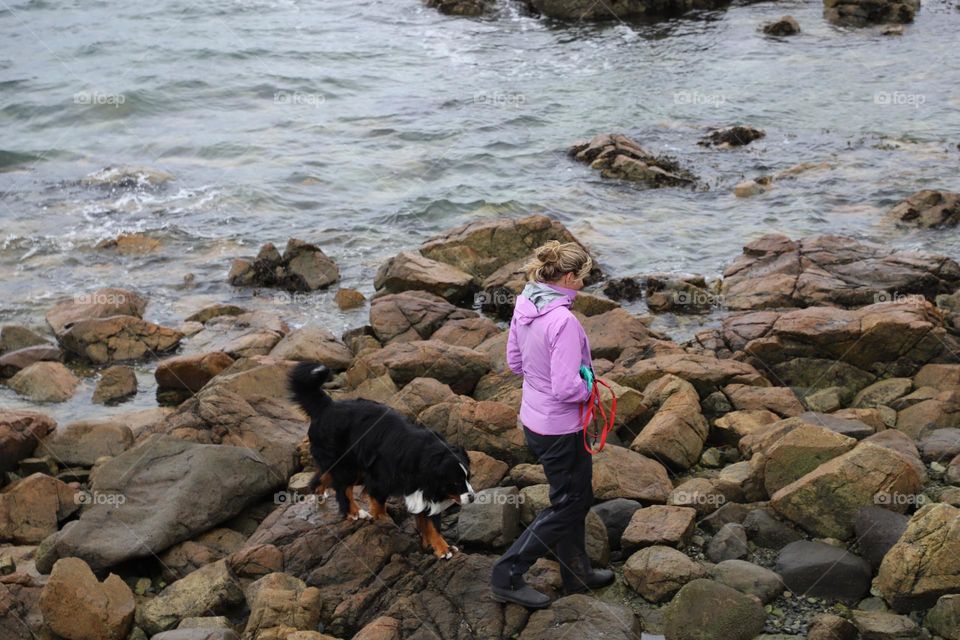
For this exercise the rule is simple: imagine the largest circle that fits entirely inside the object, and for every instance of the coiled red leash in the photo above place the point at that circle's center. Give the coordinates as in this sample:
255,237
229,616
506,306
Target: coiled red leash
597,424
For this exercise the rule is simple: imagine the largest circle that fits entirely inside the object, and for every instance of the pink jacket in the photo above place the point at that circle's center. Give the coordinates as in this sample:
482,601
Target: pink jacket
547,346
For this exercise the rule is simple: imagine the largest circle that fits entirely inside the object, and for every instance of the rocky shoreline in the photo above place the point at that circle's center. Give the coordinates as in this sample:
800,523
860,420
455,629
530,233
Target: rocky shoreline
793,472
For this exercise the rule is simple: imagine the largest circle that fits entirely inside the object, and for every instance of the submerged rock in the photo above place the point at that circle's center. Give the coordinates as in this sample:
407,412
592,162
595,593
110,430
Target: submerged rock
735,136
127,178
928,208
580,10
785,26
617,156
462,7
860,13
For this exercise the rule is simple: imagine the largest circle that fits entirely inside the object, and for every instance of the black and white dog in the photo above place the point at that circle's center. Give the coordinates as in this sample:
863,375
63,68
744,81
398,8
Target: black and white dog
364,442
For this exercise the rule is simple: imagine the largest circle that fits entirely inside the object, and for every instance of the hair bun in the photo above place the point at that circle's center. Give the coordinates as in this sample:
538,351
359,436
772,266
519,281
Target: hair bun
549,252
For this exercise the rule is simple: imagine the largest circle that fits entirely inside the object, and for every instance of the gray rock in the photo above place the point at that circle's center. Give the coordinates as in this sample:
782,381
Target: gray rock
821,570
944,618
766,530
877,530
616,516
492,519
707,610
748,578
82,443
208,590
730,543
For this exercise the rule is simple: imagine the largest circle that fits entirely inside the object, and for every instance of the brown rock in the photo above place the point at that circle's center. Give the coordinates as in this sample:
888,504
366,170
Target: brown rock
410,270
45,382
280,604
13,362
929,209
613,332
102,303
412,315
659,525
785,26
621,473
116,383
800,452
617,156
20,432
736,425
468,332
118,338
705,373
676,433
459,367
485,472
348,299
254,333
83,442
780,400
658,572
77,606
14,337
314,343
191,372
31,508
186,557
302,267
484,426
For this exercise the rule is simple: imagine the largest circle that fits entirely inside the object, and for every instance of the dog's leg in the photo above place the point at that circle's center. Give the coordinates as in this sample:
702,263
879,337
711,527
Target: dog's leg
378,509
432,538
320,484
354,512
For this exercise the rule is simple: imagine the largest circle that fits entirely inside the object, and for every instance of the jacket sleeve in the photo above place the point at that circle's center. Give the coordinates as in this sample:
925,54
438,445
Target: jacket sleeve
514,360
565,380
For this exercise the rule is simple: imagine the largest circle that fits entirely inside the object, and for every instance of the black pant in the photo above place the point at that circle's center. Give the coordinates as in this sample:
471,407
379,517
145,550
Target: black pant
561,526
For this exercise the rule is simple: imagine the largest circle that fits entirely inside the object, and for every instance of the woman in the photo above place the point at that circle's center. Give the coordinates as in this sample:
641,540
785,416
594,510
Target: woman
548,347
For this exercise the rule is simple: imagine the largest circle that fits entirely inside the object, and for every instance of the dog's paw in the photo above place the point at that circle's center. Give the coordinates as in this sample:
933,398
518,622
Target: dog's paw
363,514
446,555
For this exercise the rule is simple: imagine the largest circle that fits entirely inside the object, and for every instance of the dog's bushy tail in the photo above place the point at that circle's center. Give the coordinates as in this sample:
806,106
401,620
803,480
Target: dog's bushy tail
305,383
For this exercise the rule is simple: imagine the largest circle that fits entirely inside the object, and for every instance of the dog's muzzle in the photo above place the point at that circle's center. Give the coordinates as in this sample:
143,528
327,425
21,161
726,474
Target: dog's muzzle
467,498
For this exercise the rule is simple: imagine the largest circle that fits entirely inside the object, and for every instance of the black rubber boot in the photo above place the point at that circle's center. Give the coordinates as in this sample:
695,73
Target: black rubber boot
525,596
596,579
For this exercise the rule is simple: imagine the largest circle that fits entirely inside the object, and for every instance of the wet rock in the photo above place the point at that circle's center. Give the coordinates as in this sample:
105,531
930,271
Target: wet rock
266,426
206,591
116,383
626,289
612,332
825,501
462,7
639,10
877,530
315,343
131,244
748,578
127,178
188,556
484,426
45,382
347,298
616,515
255,333
944,618
191,372
785,26
707,610
659,525
581,615
729,543
280,604
118,338
621,473
13,362
679,293
102,303
617,156
860,13
707,374
775,271
165,485
492,519
77,606
302,267
925,563
31,509
412,315
468,332
735,136
800,452
410,270
658,572
928,208
822,570
480,248
676,433
881,624
81,443
20,432
459,367
212,311
14,337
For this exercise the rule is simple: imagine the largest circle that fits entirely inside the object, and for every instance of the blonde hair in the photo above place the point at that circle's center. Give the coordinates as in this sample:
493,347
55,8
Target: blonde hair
552,260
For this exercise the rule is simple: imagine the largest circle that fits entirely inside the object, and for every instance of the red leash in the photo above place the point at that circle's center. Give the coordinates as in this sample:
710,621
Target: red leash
596,423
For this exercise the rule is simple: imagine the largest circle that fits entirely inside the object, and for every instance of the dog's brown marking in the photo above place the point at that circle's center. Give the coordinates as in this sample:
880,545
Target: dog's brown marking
353,513
430,537
323,484
378,510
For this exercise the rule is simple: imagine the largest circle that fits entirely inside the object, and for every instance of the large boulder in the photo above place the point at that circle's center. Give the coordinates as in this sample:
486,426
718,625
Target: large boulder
582,616
118,338
799,452
618,329
658,572
31,509
77,606
822,570
877,530
410,270
279,605
825,501
707,610
81,443
490,427
925,563
676,433
492,519
316,344
458,367
210,590
775,271
102,303
412,315
480,248
163,496
45,382
20,432
13,362
190,372
634,368
616,155
619,472
302,267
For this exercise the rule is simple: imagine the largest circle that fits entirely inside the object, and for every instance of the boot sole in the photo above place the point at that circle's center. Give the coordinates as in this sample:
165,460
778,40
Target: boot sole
503,600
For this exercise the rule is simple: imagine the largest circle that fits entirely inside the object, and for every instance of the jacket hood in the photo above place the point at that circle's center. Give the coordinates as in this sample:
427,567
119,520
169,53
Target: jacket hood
538,299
